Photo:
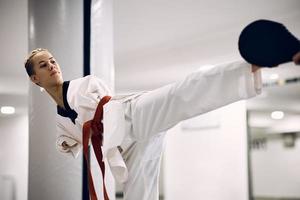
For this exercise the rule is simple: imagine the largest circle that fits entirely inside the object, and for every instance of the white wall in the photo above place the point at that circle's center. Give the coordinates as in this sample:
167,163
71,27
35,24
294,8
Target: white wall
13,92
14,152
209,163
275,170
14,46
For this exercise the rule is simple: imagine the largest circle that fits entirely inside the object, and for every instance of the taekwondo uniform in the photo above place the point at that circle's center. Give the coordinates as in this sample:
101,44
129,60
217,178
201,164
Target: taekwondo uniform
135,125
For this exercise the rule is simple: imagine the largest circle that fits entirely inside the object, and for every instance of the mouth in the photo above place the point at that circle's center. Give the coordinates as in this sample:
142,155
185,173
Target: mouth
53,73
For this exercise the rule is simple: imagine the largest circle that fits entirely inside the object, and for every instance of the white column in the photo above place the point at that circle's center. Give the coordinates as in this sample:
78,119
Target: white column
58,26
102,65
102,58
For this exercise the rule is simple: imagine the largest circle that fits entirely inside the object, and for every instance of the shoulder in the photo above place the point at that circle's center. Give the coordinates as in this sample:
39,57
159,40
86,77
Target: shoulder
95,83
87,84
84,82
93,78
87,79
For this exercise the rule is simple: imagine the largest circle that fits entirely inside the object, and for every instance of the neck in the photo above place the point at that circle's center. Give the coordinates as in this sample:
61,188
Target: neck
56,92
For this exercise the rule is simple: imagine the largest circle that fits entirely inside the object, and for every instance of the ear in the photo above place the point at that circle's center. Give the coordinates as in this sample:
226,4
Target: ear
34,78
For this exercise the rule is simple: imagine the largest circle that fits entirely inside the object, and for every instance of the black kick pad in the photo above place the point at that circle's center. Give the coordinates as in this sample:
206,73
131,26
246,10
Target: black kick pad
267,43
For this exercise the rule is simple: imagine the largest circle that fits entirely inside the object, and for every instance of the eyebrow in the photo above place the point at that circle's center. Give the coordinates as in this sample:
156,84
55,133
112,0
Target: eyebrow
44,61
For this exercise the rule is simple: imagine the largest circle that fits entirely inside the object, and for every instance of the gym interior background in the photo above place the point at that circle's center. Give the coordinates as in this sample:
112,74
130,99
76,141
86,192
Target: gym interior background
247,150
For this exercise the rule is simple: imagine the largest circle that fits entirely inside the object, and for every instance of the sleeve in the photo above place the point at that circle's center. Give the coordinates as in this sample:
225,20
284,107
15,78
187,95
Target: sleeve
67,144
200,92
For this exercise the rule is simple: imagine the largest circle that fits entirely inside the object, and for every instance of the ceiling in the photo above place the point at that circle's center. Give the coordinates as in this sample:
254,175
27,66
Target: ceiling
161,41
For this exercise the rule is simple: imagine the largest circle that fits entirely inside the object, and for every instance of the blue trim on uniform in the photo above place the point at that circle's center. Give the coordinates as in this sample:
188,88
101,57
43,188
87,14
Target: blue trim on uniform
67,112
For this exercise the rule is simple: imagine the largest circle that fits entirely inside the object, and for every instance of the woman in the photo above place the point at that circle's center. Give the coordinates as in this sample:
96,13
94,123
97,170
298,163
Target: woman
135,125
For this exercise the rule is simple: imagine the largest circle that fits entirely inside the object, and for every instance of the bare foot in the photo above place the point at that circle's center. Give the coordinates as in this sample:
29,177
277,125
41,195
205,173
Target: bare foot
255,68
296,58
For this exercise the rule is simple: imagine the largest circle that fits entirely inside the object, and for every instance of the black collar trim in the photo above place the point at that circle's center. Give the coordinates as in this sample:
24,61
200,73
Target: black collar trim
68,112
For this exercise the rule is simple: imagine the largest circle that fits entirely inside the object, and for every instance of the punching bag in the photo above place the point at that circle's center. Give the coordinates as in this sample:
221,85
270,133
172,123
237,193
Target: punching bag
267,43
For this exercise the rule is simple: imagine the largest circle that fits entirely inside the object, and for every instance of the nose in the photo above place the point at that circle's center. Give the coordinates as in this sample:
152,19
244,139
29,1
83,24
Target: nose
50,66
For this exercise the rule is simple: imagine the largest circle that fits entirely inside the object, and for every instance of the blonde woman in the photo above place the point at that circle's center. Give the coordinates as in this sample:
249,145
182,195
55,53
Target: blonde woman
135,125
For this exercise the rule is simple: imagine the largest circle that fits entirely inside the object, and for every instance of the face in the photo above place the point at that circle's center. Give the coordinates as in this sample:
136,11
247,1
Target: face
47,71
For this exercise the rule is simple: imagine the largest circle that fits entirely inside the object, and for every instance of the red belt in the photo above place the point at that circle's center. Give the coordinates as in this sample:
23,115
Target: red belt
94,129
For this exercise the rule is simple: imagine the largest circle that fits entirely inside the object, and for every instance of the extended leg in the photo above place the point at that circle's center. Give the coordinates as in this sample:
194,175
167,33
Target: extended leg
199,92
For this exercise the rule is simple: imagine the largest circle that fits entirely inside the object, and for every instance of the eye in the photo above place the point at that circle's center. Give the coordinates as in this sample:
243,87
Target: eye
53,61
43,65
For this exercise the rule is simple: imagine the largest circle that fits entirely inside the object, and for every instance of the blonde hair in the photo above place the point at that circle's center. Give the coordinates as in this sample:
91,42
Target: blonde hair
28,60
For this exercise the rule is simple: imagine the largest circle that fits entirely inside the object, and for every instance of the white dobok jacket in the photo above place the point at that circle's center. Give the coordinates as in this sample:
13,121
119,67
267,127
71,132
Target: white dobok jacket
137,123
